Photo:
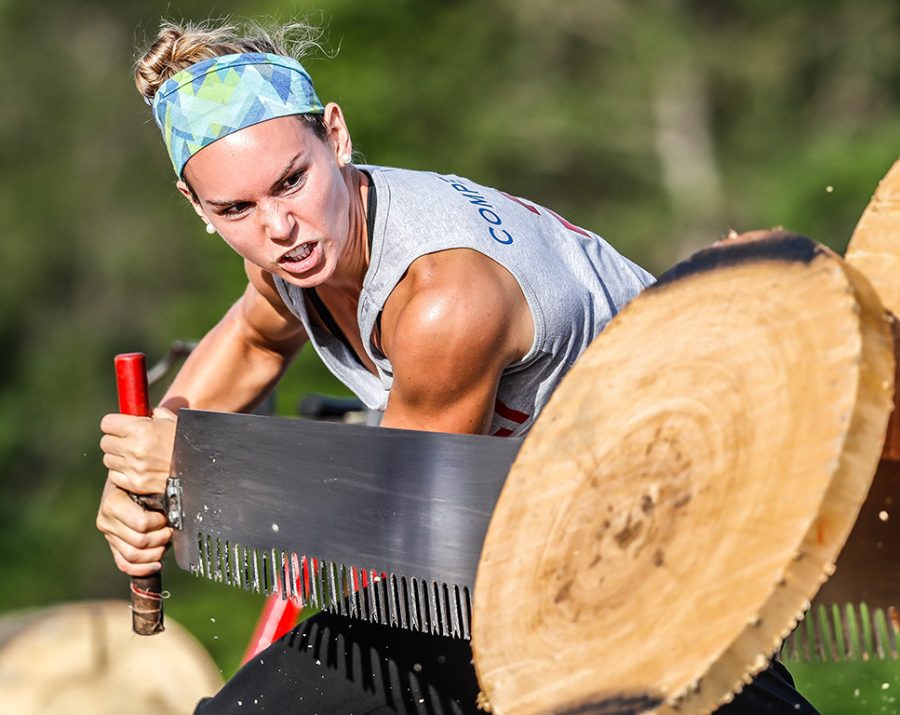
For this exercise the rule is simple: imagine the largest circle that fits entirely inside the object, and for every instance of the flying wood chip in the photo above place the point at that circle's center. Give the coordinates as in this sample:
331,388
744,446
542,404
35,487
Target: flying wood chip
688,487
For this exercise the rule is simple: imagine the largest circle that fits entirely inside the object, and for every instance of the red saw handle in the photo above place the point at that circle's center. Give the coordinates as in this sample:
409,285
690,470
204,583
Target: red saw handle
134,399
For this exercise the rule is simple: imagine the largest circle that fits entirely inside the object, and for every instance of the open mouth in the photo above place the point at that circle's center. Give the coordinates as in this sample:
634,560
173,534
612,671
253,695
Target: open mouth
299,253
301,259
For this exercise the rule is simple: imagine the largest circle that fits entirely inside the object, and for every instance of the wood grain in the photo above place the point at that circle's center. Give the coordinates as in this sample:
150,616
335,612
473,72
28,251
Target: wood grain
875,251
687,488
875,245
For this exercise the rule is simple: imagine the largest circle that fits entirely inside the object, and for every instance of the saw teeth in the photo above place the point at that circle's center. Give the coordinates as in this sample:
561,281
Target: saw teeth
832,633
410,603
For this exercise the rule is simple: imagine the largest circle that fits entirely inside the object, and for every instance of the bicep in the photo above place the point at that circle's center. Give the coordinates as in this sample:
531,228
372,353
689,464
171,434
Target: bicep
426,396
448,351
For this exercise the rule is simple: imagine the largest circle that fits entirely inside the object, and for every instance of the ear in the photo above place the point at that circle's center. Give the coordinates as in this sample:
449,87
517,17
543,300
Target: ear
338,133
189,195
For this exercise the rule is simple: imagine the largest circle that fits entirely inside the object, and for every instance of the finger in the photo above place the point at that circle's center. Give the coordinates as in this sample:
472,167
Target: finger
143,453
113,444
156,539
136,482
140,521
127,481
134,447
148,482
139,482
121,480
134,555
115,462
135,570
121,425
117,508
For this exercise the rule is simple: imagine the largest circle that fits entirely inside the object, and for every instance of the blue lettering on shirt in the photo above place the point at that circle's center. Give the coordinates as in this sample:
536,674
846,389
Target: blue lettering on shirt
485,210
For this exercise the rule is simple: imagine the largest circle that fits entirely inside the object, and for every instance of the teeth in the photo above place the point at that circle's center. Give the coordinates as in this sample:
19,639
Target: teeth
299,253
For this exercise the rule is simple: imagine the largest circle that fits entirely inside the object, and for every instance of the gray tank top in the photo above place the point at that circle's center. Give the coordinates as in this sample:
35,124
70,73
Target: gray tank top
573,280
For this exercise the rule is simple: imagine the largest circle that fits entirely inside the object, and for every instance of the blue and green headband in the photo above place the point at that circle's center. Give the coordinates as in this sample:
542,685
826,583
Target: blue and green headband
216,97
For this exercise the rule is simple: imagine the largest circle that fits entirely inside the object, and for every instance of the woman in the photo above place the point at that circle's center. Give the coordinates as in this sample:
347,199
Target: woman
448,305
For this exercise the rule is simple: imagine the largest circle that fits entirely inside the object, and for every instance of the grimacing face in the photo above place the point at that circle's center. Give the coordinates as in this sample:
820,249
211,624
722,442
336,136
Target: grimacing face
275,192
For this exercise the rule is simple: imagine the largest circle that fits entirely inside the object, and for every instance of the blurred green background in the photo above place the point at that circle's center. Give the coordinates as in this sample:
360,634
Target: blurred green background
660,125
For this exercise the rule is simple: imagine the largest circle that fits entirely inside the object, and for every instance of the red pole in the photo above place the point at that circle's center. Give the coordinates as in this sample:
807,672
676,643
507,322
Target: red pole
146,591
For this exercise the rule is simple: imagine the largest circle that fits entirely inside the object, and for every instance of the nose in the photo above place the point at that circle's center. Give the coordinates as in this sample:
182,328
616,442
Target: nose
277,221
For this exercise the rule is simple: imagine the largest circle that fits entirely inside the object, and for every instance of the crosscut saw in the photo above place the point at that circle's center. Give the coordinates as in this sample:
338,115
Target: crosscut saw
384,524
695,463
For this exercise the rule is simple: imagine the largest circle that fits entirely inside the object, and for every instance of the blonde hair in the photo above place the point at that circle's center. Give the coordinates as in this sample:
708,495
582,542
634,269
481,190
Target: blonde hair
178,46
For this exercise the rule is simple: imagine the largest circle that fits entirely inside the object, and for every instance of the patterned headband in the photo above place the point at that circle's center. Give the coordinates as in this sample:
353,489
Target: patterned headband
219,96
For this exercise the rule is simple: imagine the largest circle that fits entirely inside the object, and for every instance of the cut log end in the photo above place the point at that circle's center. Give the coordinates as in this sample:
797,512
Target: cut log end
875,245
646,541
874,251
81,659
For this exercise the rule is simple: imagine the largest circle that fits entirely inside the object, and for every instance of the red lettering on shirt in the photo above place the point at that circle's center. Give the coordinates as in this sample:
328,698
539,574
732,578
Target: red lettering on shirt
522,202
509,413
568,224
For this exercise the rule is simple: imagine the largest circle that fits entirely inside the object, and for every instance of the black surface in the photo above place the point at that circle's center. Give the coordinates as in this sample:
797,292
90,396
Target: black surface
788,247
330,665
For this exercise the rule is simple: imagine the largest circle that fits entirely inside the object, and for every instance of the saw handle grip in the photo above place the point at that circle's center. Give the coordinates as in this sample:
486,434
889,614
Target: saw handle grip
134,399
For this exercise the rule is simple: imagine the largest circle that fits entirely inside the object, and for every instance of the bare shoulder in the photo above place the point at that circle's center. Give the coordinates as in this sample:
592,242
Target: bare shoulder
460,296
450,328
456,307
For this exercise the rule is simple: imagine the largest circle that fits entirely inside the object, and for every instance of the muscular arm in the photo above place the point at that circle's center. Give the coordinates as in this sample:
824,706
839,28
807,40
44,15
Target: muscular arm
451,326
231,369
243,356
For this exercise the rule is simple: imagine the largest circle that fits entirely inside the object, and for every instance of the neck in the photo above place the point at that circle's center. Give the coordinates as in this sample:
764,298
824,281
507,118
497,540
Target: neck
354,261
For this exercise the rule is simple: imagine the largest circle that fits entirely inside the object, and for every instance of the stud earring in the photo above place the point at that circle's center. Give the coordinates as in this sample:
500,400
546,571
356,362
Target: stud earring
210,229
346,158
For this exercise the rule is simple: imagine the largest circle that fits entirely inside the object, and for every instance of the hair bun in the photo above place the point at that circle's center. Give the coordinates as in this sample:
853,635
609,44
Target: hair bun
178,46
175,48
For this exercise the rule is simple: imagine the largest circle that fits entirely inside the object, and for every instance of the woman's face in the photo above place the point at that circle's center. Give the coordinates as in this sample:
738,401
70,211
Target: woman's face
275,192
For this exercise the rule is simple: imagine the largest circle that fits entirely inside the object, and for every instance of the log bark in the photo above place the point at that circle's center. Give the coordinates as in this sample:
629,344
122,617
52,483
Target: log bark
687,488
78,659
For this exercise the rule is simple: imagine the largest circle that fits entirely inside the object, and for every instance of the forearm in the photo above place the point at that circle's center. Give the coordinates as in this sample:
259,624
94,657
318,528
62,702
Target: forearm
228,371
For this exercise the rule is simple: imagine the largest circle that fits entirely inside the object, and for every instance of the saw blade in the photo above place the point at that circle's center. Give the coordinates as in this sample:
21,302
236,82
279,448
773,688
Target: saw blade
381,524
856,613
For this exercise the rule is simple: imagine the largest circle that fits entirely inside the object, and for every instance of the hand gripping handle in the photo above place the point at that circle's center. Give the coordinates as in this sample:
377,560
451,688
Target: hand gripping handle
146,591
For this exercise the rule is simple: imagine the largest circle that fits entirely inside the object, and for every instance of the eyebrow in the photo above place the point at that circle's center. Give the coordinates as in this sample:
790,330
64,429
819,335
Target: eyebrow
284,174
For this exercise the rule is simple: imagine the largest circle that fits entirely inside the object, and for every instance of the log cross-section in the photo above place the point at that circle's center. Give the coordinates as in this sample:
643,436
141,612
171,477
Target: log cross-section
687,488
874,250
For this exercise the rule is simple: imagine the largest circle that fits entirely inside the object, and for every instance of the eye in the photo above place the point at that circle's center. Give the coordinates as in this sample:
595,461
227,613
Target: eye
235,209
294,180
